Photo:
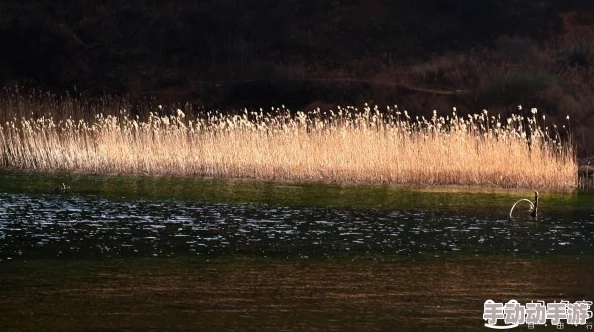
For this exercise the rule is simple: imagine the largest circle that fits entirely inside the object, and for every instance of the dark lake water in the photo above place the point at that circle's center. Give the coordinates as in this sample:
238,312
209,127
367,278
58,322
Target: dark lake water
129,253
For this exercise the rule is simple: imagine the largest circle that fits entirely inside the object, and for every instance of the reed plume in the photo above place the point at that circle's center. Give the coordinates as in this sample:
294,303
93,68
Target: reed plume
346,145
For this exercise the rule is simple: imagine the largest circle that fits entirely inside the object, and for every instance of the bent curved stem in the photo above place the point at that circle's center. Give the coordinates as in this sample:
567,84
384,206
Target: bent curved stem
523,199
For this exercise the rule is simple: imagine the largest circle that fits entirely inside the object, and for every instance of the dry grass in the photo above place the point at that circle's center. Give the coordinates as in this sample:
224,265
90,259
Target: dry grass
348,145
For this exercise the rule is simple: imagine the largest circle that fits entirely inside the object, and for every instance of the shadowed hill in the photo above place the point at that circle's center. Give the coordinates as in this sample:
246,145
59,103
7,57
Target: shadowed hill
424,55
143,45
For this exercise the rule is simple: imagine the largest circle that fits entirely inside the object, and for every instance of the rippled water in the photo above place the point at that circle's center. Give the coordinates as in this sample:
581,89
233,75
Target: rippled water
88,224
151,254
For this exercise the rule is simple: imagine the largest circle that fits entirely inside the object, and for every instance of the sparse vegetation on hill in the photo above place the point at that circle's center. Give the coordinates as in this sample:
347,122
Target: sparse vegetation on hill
228,54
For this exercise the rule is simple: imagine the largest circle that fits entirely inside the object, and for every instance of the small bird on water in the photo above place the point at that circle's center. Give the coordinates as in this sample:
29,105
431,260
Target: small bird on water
62,189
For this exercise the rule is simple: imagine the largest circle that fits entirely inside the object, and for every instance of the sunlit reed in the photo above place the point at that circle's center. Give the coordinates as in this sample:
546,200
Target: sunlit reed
345,145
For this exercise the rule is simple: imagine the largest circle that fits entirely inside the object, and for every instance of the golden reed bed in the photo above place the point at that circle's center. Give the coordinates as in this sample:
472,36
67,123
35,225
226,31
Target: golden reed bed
346,145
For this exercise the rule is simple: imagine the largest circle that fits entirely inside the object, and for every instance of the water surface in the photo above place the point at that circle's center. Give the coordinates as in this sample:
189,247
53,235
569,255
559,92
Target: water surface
119,217
140,253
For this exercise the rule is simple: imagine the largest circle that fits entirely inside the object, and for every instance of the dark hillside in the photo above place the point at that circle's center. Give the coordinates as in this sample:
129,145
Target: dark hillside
424,55
122,46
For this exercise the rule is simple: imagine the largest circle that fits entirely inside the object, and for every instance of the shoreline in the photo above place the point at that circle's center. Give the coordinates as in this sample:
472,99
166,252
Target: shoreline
423,187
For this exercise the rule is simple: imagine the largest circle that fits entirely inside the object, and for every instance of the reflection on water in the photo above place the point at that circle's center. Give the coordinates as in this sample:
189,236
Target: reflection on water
275,294
53,225
263,256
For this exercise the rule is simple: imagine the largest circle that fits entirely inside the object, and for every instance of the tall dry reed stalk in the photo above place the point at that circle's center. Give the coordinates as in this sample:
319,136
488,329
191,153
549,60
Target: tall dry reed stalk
348,145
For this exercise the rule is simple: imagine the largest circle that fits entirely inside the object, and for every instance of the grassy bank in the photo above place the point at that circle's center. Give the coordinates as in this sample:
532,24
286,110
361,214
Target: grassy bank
345,145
